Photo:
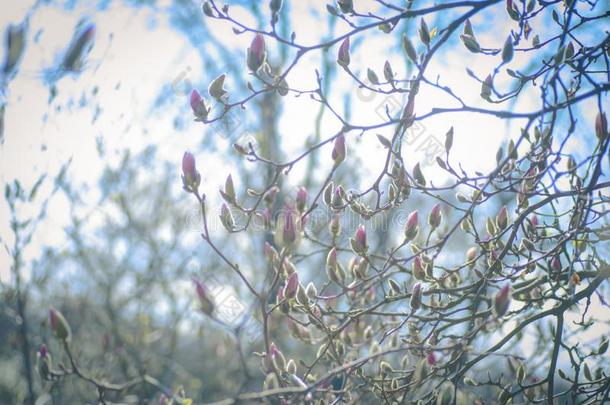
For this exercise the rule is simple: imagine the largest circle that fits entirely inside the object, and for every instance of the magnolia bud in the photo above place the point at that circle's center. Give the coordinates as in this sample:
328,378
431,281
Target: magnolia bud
301,199
419,272
229,192
601,125
502,218
275,5
59,325
292,285
507,50
471,256
288,228
412,226
205,301
424,32
346,6
487,87
256,53
434,219
416,297
198,106
216,89
226,217
207,9
409,49
270,252
556,264
44,363
418,175
343,57
339,150
431,359
277,357
337,201
501,301
359,241
190,175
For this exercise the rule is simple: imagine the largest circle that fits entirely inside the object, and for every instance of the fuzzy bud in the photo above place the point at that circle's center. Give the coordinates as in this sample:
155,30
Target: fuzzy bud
200,110
501,301
339,150
205,301
556,264
343,57
59,325
435,217
412,226
292,285
190,176
256,53
228,194
416,295
359,241
44,363
226,217
502,218
419,271
288,232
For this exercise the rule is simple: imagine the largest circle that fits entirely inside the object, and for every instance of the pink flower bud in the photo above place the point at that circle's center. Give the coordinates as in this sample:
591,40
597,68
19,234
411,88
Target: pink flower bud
59,325
42,351
431,358
556,264
256,53
301,199
339,149
359,241
435,216
601,125
501,301
190,175
195,100
198,106
270,252
207,305
189,169
502,219
290,232
412,226
419,272
292,285
331,259
343,57
416,297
